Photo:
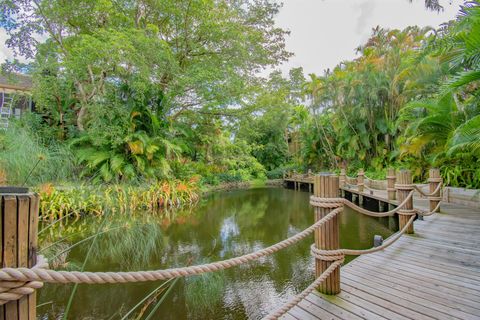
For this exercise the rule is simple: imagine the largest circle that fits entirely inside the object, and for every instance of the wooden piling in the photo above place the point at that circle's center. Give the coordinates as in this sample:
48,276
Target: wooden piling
342,178
404,186
391,178
434,179
18,242
361,180
327,236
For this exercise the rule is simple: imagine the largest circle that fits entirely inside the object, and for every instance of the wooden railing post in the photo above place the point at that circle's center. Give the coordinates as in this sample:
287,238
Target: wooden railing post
391,184
404,187
434,179
361,180
18,243
327,236
342,178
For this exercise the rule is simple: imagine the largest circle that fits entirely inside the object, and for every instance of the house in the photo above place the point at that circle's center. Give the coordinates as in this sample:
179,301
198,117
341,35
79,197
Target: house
15,97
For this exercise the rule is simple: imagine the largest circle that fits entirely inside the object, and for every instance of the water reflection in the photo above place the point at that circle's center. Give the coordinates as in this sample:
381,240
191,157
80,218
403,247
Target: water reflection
222,226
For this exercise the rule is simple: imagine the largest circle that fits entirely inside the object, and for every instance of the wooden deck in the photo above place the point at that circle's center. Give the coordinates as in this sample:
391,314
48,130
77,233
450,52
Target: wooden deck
433,274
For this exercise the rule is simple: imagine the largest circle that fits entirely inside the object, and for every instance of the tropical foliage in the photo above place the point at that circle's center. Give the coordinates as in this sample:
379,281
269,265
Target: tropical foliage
410,98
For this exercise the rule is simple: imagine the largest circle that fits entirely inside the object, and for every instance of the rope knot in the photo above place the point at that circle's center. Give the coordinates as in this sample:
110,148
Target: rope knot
14,290
400,186
407,212
327,255
329,203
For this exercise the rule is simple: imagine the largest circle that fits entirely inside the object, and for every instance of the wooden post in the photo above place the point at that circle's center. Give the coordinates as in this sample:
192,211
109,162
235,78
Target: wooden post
434,180
327,236
18,243
404,186
361,180
391,184
342,178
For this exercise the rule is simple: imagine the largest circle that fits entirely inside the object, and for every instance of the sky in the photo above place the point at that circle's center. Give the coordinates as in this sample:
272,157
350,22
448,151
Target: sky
326,32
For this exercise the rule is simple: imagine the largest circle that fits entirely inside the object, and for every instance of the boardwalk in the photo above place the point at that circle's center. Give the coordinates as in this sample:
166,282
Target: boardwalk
433,274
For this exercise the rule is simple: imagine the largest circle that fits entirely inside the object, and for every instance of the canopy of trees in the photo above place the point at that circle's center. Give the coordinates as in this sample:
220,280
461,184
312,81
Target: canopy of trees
149,89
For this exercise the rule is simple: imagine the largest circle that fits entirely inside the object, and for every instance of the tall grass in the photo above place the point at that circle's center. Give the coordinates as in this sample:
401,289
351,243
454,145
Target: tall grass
80,200
21,149
204,292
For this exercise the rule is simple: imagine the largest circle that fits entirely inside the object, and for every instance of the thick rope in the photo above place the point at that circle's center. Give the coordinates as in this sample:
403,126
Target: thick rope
52,276
325,202
366,177
296,299
333,255
431,195
14,290
428,213
349,180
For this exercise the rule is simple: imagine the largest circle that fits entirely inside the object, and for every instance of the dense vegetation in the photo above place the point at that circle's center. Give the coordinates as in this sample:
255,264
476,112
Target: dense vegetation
410,98
135,92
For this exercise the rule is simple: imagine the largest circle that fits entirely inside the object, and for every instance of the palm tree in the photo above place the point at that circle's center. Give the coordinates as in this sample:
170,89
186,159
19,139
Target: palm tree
430,125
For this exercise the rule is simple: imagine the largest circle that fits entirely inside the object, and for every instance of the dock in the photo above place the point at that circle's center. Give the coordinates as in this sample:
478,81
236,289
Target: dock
431,274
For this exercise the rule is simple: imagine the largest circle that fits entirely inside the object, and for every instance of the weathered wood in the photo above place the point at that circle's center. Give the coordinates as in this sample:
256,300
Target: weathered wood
316,310
327,236
331,308
404,186
352,307
391,178
342,178
434,180
406,312
10,247
23,202
361,180
33,248
19,246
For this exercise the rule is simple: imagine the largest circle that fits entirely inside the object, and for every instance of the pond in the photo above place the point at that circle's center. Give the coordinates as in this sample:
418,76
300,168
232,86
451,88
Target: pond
223,225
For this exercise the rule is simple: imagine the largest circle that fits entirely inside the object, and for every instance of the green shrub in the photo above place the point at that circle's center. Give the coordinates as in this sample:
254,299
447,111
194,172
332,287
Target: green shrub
277,173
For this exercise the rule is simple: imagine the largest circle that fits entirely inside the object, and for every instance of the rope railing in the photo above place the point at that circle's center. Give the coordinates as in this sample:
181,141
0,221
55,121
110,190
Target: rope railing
296,299
348,178
431,194
28,277
320,202
368,178
334,255
373,189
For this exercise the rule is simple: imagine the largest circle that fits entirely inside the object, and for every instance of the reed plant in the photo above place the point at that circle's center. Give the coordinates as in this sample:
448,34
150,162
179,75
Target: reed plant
204,292
58,202
21,149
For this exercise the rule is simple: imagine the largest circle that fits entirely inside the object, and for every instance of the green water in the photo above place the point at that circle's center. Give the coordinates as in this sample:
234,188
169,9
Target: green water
222,226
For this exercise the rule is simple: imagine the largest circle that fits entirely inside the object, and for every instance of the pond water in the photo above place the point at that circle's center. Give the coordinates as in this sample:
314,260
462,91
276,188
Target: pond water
223,225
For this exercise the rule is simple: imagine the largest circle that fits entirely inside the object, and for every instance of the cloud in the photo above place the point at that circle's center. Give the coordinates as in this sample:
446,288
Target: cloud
324,33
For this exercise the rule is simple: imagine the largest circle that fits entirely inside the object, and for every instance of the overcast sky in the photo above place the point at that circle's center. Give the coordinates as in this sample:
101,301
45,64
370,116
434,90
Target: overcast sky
326,32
